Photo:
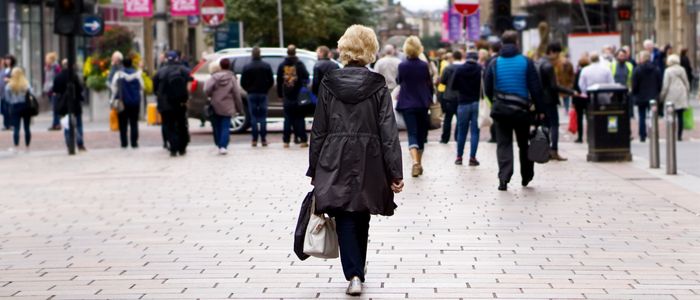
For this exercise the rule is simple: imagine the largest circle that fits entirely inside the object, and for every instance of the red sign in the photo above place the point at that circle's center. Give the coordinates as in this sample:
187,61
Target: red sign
624,13
213,12
466,7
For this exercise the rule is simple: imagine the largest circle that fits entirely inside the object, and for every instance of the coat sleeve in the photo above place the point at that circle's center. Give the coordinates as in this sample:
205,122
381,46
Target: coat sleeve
270,80
635,81
237,100
114,84
389,134
534,86
245,81
317,80
209,86
280,81
664,87
488,81
319,131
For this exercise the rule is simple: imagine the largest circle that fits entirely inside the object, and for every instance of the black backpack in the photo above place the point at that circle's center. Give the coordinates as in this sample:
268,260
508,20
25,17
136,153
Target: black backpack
175,87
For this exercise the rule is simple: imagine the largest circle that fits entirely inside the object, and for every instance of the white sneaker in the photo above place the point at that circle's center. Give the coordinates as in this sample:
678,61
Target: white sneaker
223,151
12,150
355,287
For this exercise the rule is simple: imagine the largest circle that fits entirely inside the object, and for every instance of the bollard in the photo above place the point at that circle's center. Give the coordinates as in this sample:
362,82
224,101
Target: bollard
671,129
654,159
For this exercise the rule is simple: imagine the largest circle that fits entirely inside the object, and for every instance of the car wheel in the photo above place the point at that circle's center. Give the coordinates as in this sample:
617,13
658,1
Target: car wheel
240,124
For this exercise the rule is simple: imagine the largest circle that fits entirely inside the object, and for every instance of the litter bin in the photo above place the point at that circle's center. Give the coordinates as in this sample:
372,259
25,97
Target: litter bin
608,123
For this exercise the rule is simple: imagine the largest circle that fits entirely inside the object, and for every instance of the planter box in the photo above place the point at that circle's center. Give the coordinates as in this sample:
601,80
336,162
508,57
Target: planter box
99,106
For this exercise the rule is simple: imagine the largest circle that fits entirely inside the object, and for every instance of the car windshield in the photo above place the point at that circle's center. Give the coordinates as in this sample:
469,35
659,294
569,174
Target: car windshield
239,63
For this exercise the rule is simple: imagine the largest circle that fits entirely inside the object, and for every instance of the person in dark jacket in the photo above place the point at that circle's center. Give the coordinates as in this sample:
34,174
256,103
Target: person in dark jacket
127,85
69,91
355,155
291,76
494,50
414,100
257,79
687,66
449,99
170,84
550,92
514,74
323,66
580,103
467,83
646,86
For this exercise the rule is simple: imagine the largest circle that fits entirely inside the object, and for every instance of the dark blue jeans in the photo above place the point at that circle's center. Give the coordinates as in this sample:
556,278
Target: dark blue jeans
417,125
78,131
20,117
257,109
467,119
294,120
222,130
552,116
642,109
5,111
353,231
56,118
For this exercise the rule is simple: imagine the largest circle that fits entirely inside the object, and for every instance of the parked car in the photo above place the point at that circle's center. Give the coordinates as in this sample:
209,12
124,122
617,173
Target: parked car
239,58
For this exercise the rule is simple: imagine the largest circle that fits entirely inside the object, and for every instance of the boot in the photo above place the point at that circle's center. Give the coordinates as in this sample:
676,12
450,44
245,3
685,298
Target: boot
555,156
416,170
420,162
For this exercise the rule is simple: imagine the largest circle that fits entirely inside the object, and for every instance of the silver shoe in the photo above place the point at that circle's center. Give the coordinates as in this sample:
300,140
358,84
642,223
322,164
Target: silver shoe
355,287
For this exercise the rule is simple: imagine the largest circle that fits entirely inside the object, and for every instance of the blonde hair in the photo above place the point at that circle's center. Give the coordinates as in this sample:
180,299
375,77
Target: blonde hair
673,59
18,82
412,47
214,66
644,56
358,44
52,57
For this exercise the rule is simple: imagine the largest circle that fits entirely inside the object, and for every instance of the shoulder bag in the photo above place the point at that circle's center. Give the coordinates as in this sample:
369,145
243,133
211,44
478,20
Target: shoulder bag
32,104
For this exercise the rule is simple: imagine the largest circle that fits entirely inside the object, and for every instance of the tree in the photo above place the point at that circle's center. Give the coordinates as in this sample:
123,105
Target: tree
307,23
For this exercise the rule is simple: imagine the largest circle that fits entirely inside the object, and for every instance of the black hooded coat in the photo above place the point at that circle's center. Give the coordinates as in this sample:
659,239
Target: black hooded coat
355,152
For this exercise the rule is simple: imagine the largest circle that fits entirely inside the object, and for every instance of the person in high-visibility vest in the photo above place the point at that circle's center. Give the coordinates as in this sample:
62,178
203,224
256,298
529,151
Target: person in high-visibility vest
623,75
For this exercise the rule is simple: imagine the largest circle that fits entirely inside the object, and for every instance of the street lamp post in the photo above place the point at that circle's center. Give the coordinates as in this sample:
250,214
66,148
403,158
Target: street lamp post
280,23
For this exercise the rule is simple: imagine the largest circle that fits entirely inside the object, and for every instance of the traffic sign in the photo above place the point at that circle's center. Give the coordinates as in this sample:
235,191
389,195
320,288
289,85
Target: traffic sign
466,7
92,25
213,12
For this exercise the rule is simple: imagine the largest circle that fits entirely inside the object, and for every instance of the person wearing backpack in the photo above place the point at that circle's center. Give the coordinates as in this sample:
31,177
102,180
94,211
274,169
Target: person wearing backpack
127,85
513,85
15,94
291,76
450,97
170,83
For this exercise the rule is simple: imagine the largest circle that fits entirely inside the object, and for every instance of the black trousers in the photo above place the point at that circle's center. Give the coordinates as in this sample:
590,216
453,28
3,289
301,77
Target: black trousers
129,119
294,121
504,152
176,131
449,108
353,232
581,111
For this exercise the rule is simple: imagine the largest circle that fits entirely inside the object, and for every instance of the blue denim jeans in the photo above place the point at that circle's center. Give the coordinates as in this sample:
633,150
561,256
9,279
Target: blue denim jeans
467,119
353,231
20,117
643,109
257,110
222,130
56,118
78,131
552,121
417,125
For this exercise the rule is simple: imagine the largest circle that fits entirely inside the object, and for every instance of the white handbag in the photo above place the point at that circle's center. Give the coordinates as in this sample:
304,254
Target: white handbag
484,119
321,240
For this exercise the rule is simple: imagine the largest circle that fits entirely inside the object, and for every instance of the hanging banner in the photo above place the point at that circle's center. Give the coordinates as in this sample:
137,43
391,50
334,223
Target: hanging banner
455,25
473,26
445,38
138,8
184,7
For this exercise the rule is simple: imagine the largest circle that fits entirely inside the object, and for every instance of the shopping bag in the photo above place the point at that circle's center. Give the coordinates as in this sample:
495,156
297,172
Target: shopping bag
688,119
484,114
539,150
321,239
302,222
400,123
113,120
573,122
436,115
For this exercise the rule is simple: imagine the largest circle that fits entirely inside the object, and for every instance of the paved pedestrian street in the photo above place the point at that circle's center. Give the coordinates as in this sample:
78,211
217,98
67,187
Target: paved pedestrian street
137,224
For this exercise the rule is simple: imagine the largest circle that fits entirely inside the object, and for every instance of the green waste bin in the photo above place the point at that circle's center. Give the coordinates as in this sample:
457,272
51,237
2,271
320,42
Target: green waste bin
608,123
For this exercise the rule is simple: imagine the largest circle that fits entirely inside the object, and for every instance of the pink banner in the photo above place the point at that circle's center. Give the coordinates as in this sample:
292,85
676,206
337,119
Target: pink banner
445,27
138,8
184,7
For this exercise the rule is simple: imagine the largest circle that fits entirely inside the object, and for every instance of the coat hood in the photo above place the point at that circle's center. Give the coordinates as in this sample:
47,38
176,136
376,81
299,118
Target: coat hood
223,78
353,84
129,74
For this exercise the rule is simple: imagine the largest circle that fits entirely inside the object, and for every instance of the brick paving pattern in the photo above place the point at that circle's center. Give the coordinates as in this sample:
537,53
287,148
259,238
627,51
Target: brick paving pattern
136,224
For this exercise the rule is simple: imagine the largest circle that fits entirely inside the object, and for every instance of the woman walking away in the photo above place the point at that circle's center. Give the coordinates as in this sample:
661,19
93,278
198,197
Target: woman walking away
226,102
676,89
414,100
355,155
127,84
15,93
